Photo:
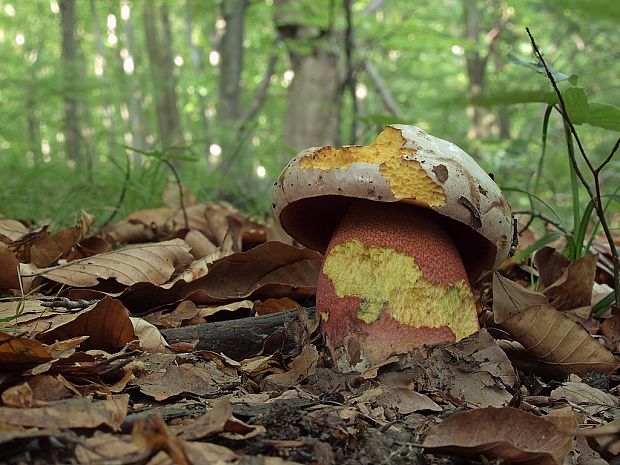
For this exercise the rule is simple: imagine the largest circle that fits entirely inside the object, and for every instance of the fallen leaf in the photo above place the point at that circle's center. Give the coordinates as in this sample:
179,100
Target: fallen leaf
9,278
220,420
604,439
581,393
300,368
11,230
154,263
275,305
550,264
151,340
20,351
106,323
72,413
545,332
58,245
406,401
574,288
505,433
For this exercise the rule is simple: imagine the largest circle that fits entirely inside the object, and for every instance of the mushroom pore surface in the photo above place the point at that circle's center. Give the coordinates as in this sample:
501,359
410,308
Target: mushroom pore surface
392,280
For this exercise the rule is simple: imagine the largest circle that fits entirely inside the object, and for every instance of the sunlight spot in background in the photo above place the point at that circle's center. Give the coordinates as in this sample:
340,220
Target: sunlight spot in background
247,43
268,2
54,7
1,36
178,60
289,74
255,141
9,10
60,137
361,91
210,112
525,48
125,11
20,39
261,172
220,24
394,55
128,138
29,159
150,139
215,150
191,90
32,56
214,58
379,16
202,91
128,65
112,39
45,147
111,22
457,50
99,62
124,111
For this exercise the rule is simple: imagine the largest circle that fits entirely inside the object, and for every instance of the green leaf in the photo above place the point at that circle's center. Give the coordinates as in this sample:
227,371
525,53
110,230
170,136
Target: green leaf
539,68
604,116
577,106
539,244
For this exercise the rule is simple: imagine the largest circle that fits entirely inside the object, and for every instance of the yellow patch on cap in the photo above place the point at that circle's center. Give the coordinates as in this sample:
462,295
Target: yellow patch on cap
405,175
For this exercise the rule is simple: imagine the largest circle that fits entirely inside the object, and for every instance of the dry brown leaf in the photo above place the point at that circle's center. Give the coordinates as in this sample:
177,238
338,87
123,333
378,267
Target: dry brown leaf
605,439
545,332
151,340
200,244
183,379
406,401
154,263
106,323
9,278
581,393
220,420
241,309
72,413
58,245
272,269
11,231
20,351
275,305
506,433
550,264
574,288
301,367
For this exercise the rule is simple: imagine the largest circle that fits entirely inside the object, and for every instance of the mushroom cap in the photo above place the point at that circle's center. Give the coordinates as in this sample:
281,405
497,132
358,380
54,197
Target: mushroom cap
404,164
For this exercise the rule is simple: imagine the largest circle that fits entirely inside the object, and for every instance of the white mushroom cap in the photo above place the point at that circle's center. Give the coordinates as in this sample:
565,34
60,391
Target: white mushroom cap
404,164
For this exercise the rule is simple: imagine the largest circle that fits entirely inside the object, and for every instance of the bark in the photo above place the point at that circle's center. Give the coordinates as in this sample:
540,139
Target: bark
69,57
199,65
231,59
237,339
316,90
136,119
161,69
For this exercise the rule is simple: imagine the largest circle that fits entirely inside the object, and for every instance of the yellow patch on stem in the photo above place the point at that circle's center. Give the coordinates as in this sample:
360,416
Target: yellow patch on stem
405,176
391,281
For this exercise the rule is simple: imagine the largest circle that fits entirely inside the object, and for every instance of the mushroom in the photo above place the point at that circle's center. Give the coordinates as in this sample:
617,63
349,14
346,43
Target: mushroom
406,223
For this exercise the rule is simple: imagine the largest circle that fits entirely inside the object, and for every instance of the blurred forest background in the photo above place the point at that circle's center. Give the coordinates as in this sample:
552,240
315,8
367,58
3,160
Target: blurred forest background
228,91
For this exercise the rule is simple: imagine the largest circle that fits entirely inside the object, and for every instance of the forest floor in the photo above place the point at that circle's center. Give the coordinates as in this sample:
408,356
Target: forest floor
149,354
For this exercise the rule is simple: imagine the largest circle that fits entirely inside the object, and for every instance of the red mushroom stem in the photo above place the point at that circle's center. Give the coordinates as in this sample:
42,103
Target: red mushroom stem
392,280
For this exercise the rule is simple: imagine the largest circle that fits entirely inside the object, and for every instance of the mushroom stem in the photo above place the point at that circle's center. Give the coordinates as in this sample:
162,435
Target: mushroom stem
392,280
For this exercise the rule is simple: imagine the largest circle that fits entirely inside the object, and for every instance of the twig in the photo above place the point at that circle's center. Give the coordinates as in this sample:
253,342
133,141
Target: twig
596,195
121,197
170,165
545,218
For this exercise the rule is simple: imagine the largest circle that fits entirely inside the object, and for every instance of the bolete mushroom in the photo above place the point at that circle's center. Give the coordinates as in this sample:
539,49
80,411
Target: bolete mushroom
406,224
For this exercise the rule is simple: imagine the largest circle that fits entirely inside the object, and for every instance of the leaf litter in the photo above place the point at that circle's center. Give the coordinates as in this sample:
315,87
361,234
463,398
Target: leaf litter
157,340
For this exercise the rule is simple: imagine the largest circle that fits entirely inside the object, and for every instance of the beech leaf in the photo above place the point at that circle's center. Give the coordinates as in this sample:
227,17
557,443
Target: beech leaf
545,332
506,433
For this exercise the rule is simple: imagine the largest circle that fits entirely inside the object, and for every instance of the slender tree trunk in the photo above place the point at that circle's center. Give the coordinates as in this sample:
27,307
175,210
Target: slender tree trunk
231,60
136,119
316,90
69,55
199,65
161,67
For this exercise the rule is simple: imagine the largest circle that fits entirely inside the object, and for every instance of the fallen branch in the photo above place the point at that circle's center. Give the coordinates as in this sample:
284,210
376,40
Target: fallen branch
237,339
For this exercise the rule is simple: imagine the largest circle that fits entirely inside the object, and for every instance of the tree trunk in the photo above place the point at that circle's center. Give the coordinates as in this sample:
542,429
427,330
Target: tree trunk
231,60
134,96
316,89
69,55
161,68
199,66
